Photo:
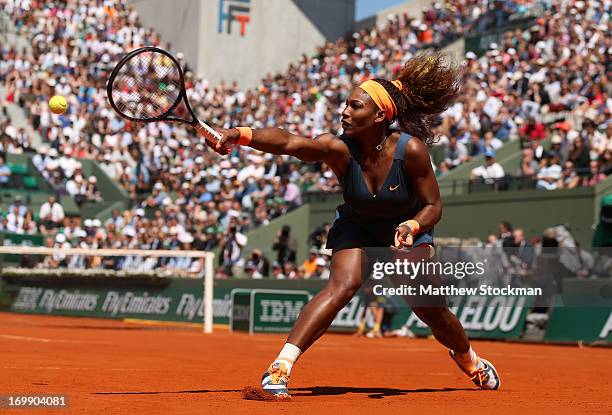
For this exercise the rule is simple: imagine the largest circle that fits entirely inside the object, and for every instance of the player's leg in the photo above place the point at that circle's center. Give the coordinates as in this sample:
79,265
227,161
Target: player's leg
445,326
316,317
447,329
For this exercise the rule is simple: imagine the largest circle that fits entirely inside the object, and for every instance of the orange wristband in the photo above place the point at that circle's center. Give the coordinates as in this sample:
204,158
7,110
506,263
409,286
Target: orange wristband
246,135
413,225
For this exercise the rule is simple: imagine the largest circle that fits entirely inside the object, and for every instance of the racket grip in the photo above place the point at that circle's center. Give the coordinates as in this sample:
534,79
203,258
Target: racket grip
207,132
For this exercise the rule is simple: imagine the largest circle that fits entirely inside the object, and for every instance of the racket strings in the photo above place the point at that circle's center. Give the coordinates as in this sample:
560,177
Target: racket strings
147,86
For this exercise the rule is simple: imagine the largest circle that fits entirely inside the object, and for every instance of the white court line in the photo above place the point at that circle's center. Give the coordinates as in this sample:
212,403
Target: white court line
68,368
43,340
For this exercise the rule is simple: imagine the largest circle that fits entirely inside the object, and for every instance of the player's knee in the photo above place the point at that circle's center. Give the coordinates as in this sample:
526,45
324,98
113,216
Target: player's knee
342,292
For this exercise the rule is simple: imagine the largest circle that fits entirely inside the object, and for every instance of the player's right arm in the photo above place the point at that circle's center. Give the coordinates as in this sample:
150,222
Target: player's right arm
325,147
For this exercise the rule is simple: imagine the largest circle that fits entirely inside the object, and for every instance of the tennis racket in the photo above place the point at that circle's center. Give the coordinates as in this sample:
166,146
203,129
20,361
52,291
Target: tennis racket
147,85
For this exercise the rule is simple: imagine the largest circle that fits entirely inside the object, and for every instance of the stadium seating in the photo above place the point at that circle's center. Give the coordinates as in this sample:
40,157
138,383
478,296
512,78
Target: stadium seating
191,179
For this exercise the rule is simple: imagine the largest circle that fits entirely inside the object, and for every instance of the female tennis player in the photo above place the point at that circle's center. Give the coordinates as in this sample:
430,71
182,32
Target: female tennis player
391,198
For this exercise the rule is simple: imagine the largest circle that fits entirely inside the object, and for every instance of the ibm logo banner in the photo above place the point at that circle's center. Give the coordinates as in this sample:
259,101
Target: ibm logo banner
233,10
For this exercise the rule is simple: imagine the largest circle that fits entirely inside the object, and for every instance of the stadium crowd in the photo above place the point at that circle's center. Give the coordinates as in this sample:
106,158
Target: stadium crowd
546,82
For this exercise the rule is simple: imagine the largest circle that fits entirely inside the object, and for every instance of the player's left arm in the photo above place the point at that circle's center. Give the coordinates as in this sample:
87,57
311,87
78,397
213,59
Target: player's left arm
418,167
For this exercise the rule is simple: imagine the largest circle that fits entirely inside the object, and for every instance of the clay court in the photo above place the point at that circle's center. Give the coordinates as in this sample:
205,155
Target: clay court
115,368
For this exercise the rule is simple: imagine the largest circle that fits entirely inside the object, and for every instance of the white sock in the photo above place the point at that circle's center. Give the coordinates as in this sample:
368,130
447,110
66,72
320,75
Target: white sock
288,355
468,360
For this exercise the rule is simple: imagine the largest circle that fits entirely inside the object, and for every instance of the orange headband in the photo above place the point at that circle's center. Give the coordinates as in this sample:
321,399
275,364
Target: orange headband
381,97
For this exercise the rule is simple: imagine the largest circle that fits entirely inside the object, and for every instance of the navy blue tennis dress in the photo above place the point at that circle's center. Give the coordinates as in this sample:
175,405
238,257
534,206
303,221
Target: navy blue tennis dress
367,220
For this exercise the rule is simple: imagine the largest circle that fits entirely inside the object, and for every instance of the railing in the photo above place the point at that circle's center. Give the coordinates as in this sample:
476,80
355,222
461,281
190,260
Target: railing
458,187
506,183
500,19
464,186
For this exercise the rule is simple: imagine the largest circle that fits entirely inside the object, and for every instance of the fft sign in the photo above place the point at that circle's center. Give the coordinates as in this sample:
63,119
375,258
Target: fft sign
231,11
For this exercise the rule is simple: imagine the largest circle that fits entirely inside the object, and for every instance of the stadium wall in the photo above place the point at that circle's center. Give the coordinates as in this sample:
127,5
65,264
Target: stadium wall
532,210
243,40
412,8
455,181
263,237
178,23
180,301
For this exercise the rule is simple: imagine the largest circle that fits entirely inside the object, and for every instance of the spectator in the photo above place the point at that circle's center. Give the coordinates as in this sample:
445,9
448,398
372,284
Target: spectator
569,179
14,222
490,172
532,131
504,230
525,249
492,241
310,265
51,215
537,150
21,208
549,173
442,170
5,173
322,272
58,259
252,271
28,226
285,245
477,145
318,237
92,194
456,153
292,193
231,250
595,175
556,147
259,264
277,272
598,142
579,155
290,270
491,142
529,166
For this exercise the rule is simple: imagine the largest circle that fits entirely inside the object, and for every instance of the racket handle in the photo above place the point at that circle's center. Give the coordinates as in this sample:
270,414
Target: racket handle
207,132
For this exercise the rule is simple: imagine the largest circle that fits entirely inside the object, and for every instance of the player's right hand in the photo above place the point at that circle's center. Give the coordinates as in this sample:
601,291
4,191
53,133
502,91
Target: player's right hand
229,138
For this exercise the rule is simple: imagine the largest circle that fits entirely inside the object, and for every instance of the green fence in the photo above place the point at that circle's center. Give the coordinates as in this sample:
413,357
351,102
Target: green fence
590,320
15,239
266,306
266,310
531,210
580,324
180,300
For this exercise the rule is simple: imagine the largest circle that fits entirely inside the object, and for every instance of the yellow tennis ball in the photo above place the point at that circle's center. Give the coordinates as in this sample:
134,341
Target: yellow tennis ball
58,104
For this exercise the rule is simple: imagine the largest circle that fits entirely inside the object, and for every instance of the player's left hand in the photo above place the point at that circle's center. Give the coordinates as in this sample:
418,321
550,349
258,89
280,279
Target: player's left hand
403,237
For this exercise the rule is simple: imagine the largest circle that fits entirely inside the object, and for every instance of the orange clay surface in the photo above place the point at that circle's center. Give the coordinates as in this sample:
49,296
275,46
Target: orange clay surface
110,367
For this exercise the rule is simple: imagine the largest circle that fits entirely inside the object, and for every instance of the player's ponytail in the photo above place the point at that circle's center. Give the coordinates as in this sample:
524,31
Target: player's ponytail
430,84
